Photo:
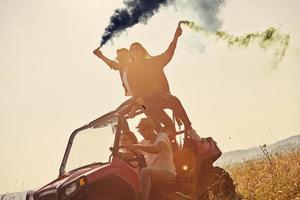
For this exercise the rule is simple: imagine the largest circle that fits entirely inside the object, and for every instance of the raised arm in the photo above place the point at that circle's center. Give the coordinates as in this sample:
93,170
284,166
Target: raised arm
112,64
163,59
171,49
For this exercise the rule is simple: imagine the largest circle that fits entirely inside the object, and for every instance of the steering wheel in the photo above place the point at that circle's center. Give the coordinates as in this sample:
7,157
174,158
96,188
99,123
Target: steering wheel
135,158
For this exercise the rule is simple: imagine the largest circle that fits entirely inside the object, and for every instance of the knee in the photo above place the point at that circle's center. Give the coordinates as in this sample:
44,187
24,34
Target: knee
174,100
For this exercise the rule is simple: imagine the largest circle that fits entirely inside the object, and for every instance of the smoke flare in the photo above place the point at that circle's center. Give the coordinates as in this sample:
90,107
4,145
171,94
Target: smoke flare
139,11
266,39
135,11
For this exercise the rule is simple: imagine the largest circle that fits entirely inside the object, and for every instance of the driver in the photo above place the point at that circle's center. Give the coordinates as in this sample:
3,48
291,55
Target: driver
161,167
127,138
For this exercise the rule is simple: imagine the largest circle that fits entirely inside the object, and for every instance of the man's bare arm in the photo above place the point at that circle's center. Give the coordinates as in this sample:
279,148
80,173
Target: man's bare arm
153,149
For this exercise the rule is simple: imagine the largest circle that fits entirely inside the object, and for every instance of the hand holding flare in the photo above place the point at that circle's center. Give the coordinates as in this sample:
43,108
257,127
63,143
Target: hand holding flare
98,52
178,32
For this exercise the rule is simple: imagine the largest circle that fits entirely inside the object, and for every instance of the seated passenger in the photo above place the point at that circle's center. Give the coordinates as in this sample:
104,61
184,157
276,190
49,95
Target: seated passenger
161,167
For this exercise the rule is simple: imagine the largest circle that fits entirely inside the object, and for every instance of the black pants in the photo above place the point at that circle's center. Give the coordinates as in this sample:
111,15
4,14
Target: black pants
154,109
171,102
159,116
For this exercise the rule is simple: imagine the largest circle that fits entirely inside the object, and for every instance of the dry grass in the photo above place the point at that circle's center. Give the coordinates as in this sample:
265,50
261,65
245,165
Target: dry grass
276,177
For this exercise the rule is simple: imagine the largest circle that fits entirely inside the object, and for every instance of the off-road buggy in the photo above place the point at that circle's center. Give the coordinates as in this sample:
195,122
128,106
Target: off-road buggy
92,168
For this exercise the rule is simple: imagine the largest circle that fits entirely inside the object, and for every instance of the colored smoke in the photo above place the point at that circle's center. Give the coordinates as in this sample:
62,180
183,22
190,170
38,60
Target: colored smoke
135,11
139,11
271,38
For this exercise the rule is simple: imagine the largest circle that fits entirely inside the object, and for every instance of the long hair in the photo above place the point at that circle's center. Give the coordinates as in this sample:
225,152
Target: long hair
146,55
121,52
131,136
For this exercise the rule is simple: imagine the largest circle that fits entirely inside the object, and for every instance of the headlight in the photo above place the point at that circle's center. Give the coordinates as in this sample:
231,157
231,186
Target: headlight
70,189
73,187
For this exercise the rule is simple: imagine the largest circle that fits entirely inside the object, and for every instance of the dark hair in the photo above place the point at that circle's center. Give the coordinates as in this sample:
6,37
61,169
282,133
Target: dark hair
131,136
145,52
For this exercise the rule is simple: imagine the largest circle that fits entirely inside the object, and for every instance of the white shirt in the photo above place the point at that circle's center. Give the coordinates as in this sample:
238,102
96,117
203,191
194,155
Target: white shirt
125,81
164,159
148,156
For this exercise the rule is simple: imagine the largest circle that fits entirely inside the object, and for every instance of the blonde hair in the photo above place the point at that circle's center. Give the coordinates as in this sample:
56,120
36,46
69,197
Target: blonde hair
121,52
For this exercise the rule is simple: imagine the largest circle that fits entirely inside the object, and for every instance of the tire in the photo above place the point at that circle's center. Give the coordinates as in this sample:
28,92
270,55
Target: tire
220,188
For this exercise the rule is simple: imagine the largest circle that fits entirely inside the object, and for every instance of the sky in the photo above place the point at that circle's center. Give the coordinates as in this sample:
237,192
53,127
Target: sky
51,83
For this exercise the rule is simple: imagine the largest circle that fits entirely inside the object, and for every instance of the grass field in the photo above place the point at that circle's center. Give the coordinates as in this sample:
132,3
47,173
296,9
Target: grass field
277,177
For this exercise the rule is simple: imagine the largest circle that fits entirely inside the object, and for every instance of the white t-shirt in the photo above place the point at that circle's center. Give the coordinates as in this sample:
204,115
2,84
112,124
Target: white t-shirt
125,80
164,159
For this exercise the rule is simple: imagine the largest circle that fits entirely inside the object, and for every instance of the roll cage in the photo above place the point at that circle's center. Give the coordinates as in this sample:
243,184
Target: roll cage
108,118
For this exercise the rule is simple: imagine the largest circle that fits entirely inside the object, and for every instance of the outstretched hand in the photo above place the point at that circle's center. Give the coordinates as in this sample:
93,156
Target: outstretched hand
97,52
178,32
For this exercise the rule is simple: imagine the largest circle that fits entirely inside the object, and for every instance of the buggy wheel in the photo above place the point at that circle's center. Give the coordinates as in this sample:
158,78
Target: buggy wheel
221,188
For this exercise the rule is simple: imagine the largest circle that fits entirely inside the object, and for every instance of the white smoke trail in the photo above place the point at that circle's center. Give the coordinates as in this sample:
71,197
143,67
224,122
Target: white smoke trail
206,12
